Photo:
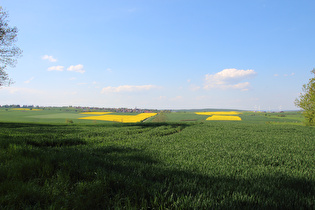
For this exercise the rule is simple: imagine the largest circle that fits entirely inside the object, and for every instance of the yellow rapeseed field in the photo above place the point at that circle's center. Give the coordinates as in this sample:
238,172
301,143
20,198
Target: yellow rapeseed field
223,117
121,118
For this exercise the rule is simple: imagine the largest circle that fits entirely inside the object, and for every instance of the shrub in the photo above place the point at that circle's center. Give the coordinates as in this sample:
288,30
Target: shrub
69,121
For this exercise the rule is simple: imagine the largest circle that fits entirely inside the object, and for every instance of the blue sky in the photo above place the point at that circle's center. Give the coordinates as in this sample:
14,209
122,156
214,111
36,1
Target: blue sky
162,54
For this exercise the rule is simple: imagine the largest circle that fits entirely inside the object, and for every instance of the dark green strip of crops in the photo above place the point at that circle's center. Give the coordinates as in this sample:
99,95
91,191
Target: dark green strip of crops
216,165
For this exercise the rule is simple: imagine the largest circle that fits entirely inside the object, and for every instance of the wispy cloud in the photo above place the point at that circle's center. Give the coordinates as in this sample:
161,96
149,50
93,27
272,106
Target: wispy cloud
19,90
229,79
29,81
56,68
128,88
78,68
96,84
177,98
194,87
82,83
292,74
161,98
285,75
49,58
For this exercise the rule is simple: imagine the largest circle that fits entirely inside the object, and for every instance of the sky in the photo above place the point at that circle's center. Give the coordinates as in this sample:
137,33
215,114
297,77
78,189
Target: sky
161,54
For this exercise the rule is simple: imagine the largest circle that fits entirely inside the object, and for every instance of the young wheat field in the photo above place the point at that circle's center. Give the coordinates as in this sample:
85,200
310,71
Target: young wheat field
171,161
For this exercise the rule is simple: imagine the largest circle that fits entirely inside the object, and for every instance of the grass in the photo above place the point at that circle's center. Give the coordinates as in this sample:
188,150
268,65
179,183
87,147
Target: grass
44,116
180,117
169,164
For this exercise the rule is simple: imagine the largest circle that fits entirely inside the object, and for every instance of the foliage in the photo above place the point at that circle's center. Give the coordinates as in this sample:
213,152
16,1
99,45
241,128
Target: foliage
69,121
306,101
8,51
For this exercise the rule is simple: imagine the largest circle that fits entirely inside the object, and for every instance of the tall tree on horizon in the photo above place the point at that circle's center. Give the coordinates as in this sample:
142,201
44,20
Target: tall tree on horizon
306,101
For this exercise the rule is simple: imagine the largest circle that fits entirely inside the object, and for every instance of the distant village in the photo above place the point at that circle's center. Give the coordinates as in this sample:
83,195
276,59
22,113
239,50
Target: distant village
84,109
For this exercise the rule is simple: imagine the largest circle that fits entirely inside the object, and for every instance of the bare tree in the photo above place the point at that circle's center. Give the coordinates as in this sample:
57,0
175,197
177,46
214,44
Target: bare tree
8,51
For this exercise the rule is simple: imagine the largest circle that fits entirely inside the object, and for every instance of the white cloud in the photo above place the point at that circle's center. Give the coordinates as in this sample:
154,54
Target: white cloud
49,58
229,79
78,68
55,68
73,78
109,69
127,88
28,81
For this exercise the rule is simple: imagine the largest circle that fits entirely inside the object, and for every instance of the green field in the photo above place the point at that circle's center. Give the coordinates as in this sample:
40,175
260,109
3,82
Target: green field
61,115
51,115
176,160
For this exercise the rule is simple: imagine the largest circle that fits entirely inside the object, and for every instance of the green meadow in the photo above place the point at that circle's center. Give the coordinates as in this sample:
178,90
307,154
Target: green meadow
174,160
